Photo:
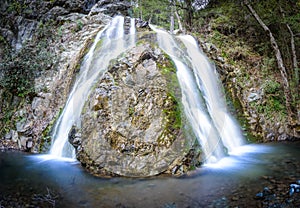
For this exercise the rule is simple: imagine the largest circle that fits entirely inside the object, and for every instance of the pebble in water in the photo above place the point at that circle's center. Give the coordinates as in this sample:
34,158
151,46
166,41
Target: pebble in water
294,188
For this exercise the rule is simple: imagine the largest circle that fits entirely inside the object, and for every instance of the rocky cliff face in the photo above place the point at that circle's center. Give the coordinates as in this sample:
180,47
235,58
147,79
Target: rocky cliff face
20,19
27,115
132,122
258,100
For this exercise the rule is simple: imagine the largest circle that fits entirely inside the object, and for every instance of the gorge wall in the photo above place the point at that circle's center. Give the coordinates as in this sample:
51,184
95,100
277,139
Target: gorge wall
41,54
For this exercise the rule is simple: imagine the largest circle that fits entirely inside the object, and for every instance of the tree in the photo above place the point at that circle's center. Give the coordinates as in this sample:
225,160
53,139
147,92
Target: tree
281,66
153,11
293,49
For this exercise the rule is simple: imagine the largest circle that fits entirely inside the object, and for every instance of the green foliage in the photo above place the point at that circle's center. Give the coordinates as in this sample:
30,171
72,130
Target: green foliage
271,87
130,111
274,103
246,47
2,40
156,11
45,30
18,75
45,140
79,25
16,7
173,114
20,69
267,64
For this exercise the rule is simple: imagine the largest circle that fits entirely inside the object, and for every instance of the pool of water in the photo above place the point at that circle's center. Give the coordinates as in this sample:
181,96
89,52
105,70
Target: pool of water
35,181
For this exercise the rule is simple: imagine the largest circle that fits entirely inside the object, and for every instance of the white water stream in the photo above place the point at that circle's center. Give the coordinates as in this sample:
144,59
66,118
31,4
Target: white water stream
213,126
112,43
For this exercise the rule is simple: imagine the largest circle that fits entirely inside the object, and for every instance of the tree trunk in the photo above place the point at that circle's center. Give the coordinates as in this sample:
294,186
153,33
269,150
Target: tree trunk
295,64
296,69
286,86
179,21
293,49
150,19
172,19
188,13
141,8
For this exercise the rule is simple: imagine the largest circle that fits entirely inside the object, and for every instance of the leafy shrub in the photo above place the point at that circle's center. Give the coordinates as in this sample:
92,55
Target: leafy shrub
271,87
16,7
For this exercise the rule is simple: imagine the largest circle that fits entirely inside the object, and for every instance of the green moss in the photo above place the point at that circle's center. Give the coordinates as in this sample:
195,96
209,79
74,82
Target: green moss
146,37
9,106
140,42
130,111
173,114
173,111
2,40
236,108
45,141
99,44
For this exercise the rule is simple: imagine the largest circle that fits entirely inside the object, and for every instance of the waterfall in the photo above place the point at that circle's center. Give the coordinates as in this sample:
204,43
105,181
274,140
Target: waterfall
132,31
203,103
206,77
112,43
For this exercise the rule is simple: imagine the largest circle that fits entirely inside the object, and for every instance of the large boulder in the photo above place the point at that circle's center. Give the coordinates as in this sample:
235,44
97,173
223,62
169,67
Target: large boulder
132,123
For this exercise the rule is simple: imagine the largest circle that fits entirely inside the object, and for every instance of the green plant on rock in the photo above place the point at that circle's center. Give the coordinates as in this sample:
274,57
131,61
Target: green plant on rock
2,40
21,68
45,140
271,87
273,104
79,25
172,112
16,7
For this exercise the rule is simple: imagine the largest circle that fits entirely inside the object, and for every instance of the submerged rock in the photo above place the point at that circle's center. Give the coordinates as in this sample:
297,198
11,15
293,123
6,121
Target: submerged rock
131,123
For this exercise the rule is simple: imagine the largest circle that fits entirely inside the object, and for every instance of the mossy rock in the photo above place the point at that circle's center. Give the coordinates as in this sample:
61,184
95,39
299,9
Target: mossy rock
140,131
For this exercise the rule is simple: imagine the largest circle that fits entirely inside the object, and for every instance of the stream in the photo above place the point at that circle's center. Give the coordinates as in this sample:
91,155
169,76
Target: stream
258,176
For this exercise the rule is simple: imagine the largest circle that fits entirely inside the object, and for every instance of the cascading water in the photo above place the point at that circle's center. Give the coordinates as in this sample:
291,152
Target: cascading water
132,31
94,65
206,77
202,101
212,124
